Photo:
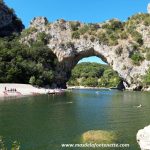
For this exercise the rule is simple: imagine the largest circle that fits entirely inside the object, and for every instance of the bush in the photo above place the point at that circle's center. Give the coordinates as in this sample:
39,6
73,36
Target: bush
124,35
147,54
137,37
32,80
137,58
103,38
28,31
11,10
70,45
94,27
43,37
139,18
74,26
75,35
146,78
84,29
113,25
92,38
147,21
118,51
108,38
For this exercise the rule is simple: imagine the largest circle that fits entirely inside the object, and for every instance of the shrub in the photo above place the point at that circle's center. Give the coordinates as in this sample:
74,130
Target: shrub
75,35
148,56
137,18
11,10
113,25
124,35
124,67
113,39
118,51
146,78
84,29
43,37
32,80
94,27
137,37
134,47
70,45
137,58
28,31
147,21
92,38
74,26
103,38
113,42
85,37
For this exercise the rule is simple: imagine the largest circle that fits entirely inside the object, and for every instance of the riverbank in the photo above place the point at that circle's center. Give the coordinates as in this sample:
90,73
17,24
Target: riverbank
18,90
83,87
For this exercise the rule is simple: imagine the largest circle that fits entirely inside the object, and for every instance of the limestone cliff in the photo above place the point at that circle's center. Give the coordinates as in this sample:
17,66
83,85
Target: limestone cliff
123,45
9,23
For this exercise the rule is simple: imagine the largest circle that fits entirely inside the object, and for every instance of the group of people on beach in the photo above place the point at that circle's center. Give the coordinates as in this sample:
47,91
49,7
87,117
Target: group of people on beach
10,90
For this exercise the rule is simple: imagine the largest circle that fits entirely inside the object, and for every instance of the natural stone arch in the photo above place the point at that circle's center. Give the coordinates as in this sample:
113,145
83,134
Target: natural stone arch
70,50
66,65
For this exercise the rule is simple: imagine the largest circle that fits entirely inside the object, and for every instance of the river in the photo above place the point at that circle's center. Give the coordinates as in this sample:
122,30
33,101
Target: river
46,122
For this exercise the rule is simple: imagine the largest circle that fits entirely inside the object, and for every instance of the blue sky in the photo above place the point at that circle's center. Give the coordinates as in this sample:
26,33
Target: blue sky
81,10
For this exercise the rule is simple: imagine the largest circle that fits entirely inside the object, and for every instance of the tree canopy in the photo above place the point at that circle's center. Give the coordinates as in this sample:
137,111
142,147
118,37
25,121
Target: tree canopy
24,64
94,75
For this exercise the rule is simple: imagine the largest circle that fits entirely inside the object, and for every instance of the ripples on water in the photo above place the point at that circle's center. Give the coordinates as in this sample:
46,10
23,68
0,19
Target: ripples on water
44,122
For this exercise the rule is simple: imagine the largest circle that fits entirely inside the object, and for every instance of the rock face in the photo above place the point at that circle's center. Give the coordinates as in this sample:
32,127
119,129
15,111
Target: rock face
143,138
9,23
70,50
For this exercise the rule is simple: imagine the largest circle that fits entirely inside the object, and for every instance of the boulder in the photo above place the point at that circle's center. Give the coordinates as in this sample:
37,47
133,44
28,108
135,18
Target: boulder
99,136
143,138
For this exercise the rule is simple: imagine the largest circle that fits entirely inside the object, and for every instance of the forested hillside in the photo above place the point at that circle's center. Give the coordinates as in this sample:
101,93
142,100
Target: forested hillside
94,75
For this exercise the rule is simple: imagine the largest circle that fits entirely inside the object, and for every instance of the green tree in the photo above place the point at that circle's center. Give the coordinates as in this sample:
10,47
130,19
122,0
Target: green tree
32,80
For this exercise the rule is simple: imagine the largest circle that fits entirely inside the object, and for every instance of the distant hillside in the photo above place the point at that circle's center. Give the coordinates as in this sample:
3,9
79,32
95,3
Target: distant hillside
94,75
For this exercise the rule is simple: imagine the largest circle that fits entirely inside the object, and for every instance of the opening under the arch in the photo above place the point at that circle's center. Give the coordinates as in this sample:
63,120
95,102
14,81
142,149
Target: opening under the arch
92,59
94,72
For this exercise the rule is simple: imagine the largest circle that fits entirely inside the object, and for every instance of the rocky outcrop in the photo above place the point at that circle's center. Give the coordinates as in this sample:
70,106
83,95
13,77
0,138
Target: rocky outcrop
143,138
69,48
9,23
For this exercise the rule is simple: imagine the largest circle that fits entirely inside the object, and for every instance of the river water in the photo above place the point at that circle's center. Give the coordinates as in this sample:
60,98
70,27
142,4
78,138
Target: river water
46,122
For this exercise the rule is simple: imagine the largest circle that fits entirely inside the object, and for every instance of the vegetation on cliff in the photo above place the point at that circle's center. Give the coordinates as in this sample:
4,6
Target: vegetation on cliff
112,32
23,64
94,75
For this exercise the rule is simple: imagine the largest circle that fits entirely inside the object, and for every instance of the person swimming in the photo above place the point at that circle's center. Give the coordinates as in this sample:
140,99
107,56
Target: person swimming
139,106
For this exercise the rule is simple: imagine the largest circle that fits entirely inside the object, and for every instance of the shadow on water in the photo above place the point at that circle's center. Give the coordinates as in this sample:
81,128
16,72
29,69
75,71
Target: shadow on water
45,122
